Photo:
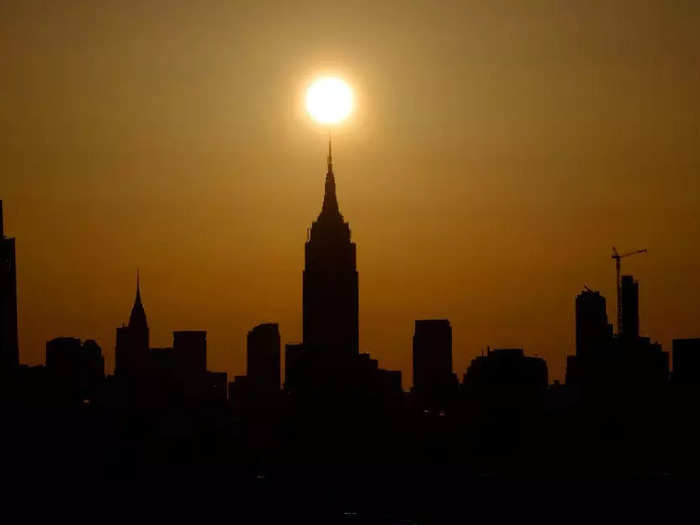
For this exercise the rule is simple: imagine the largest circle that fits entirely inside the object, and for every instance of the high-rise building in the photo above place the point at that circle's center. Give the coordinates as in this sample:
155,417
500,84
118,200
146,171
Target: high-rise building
75,366
262,380
593,331
330,287
131,353
629,295
263,352
606,364
432,358
594,340
9,347
327,367
507,379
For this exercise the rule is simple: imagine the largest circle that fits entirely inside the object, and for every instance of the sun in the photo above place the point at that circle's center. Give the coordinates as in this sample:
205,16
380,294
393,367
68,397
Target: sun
329,100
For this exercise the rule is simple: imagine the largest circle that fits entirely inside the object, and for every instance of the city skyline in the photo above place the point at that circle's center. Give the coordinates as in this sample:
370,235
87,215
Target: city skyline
169,404
330,227
399,262
495,155
331,197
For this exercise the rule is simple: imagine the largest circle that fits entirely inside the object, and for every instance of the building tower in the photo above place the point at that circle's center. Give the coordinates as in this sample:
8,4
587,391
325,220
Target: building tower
74,366
263,347
131,353
9,347
330,289
592,328
433,379
630,308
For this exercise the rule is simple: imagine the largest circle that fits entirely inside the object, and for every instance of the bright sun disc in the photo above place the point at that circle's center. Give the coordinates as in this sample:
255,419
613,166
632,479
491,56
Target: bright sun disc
329,100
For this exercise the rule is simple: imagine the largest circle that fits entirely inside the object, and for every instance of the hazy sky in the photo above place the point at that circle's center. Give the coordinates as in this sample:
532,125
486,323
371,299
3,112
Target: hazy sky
497,151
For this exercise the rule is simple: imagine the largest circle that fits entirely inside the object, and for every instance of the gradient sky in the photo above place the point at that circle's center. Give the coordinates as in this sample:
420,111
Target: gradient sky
497,151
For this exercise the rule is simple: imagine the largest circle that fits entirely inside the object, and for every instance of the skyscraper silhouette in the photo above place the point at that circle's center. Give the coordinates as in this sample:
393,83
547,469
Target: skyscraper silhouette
131,353
630,308
594,338
263,352
645,365
433,379
592,328
9,348
507,384
74,365
262,380
604,364
330,307
327,365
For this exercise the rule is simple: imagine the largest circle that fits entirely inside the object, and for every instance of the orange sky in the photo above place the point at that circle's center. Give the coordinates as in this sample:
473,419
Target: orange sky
497,151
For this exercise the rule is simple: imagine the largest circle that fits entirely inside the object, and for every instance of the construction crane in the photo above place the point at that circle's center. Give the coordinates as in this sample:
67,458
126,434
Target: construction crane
617,256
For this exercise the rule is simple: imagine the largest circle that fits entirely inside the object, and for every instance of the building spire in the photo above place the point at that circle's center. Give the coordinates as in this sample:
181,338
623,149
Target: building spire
330,200
330,155
138,314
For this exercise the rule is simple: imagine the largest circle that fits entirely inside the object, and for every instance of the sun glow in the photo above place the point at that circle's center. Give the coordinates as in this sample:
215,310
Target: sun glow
329,100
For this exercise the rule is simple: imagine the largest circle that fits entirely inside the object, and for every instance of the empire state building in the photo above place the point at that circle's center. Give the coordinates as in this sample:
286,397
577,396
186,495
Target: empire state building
330,300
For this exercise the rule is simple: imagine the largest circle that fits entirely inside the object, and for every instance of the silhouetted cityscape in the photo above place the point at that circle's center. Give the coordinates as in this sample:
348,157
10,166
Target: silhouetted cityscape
620,413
